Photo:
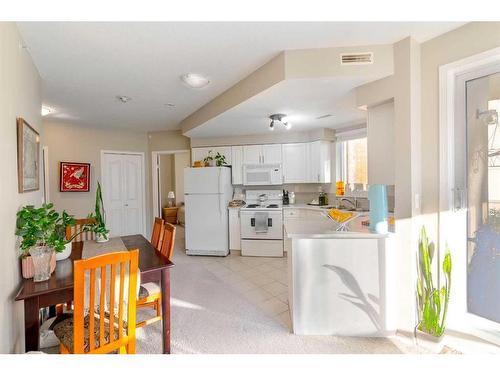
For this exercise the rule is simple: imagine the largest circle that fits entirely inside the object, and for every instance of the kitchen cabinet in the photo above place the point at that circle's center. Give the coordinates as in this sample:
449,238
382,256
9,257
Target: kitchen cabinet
319,162
307,162
252,154
237,165
200,153
234,229
295,163
262,154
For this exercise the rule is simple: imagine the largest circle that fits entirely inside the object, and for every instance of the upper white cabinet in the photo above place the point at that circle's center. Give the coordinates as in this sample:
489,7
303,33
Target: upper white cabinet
319,162
307,162
271,154
237,164
295,163
252,154
262,154
200,153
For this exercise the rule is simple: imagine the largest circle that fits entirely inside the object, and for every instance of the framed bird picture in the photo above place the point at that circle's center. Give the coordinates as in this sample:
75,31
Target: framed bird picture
74,176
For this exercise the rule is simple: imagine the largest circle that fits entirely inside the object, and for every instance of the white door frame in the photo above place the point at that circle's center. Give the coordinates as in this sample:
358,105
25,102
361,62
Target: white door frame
155,181
143,178
453,219
45,173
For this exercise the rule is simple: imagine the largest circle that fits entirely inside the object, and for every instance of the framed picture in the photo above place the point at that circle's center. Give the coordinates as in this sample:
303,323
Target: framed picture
28,157
74,176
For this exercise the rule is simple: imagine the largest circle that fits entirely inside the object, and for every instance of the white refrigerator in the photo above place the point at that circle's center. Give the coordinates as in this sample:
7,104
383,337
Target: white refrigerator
207,192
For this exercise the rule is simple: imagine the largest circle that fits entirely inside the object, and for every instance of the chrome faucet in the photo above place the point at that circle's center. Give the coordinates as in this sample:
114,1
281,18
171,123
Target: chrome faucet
353,202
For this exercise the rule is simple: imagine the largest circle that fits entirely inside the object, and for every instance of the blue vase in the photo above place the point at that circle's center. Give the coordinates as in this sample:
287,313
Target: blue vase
377,195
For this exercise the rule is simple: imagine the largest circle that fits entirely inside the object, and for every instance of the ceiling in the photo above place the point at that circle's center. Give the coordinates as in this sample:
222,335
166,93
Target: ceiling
85,65
302,100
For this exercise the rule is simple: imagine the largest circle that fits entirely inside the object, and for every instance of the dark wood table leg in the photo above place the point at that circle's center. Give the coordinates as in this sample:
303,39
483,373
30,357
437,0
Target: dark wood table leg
31,324
165,309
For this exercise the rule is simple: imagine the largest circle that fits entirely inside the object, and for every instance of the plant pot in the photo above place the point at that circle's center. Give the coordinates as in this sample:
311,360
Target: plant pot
28,268
65,253
210,163
430,342
42,258
100,238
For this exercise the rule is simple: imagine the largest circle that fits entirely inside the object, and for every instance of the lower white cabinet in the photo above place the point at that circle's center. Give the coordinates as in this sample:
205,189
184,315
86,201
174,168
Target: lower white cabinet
234,229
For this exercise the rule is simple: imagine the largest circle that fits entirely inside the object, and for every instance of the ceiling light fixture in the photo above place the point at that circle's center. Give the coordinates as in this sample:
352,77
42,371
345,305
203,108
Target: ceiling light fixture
46,110
123,98
195,80
279,117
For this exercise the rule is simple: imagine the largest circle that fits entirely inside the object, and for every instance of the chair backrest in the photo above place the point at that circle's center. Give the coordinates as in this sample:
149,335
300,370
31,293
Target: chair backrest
111,335
71,230
168,240
157,234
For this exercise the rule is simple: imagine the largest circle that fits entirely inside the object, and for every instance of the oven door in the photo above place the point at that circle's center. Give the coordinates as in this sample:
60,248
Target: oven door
274,226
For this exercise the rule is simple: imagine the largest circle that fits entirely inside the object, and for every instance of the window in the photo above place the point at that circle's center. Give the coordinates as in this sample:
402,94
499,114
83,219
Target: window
352,161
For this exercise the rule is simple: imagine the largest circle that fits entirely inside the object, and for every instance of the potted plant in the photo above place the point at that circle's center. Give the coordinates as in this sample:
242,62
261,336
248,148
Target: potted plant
220,160
43,232
432,301
209,160
99,218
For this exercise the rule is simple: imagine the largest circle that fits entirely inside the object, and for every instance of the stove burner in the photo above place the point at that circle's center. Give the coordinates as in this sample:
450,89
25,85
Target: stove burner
272,206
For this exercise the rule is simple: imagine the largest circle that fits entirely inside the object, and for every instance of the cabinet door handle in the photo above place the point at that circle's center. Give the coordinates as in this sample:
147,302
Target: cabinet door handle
318,177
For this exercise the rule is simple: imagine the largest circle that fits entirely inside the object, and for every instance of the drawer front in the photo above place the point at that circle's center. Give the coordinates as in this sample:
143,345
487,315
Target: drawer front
292,212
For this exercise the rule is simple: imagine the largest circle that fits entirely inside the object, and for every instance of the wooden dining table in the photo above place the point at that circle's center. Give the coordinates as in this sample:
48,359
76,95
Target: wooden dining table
153,265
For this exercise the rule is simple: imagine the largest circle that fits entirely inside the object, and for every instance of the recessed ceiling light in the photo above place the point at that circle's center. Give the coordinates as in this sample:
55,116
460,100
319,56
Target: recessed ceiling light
123,98
46,110
194,80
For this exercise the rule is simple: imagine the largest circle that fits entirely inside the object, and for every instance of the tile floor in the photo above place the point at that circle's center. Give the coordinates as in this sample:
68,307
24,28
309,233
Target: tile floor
262,281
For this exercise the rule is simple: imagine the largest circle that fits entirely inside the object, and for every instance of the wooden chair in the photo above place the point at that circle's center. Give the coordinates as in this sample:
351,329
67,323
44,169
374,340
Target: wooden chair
71,230
150,293
84,236
157,234
102,331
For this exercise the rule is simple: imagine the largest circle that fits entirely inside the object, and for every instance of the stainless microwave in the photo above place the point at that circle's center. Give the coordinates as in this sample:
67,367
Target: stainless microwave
262,174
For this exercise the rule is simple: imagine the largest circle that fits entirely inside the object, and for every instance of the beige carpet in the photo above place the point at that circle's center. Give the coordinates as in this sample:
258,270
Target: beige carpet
209,316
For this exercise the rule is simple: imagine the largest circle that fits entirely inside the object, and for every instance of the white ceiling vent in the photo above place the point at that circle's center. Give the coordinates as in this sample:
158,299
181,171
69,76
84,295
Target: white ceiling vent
359,58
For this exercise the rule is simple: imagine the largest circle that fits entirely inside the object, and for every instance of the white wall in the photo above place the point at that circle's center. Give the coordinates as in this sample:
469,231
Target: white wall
19,97
380,131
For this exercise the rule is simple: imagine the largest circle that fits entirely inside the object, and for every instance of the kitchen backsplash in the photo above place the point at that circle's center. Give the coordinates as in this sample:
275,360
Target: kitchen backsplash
313,191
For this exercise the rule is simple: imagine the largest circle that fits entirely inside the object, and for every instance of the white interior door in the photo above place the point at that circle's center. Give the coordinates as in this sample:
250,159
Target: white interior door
123,193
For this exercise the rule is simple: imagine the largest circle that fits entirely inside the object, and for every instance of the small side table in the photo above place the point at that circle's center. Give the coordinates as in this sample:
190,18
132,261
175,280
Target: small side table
170,214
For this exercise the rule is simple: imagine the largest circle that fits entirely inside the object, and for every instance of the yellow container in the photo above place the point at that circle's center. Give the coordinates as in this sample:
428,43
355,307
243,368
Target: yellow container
340,187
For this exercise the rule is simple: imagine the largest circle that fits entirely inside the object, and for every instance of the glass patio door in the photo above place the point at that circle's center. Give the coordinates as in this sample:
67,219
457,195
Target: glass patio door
482,173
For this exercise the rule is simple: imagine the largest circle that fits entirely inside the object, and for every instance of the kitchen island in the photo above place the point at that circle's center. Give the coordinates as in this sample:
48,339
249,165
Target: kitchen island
340,283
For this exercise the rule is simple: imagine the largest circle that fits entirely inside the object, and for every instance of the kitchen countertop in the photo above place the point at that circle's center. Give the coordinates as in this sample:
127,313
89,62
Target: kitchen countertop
323,227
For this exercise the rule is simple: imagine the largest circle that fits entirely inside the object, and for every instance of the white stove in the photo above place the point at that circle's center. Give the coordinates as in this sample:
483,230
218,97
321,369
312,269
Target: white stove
262,224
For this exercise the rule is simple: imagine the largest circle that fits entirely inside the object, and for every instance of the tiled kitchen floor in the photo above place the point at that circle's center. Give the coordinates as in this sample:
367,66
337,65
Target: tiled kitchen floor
262,281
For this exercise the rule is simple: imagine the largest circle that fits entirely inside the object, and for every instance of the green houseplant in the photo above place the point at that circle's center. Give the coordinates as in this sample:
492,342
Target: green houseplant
42,231
209,160
220,160
99,217
432,301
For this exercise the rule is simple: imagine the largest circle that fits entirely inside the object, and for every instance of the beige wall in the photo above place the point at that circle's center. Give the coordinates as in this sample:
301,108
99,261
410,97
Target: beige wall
380,127
167,173
168,140
182,160
20,96
67,142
